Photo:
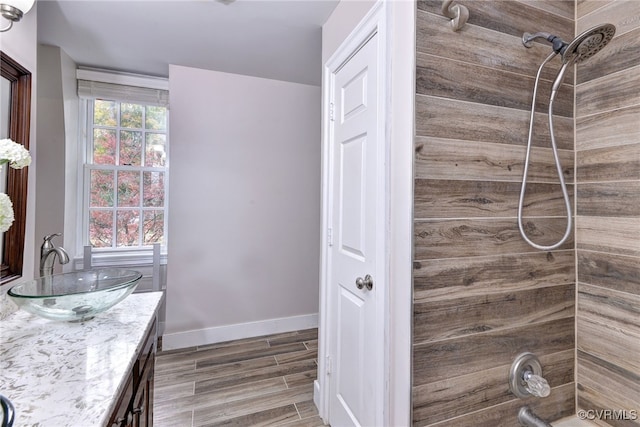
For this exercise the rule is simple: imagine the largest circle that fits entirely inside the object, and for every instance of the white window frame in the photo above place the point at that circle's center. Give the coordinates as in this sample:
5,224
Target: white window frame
114,255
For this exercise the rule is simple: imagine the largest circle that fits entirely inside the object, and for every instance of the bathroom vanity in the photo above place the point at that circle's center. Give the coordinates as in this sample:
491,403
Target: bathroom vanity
97,373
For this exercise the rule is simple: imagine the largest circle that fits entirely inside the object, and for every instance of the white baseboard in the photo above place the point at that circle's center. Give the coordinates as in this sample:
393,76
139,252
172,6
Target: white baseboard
238,331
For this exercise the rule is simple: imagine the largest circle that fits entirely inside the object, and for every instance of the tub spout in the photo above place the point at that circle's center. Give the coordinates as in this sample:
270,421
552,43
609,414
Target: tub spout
527,418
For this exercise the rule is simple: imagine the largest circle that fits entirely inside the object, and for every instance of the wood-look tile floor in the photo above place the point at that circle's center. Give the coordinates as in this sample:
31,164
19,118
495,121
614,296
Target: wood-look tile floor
265,381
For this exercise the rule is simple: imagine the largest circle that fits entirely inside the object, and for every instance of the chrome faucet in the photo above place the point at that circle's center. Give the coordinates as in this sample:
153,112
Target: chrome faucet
48,252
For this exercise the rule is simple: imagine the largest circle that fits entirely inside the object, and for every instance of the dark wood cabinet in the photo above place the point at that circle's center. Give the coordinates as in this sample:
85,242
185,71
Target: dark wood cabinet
120,416
135,404
143,399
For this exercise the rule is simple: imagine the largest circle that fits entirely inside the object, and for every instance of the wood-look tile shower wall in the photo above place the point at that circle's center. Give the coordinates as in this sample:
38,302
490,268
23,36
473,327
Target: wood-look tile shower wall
608,213
481,294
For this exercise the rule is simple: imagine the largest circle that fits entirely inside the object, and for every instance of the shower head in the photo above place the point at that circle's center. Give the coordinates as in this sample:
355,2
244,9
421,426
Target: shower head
582,47
588,43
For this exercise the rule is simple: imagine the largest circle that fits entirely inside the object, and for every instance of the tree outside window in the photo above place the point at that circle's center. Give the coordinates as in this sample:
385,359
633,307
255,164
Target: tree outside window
126,174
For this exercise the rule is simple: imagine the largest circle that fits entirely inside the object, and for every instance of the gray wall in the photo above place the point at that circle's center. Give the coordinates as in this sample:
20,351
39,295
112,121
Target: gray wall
55,67
244,203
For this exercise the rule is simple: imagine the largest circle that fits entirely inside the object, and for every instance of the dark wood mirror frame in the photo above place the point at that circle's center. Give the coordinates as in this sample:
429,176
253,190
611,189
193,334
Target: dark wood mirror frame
19,130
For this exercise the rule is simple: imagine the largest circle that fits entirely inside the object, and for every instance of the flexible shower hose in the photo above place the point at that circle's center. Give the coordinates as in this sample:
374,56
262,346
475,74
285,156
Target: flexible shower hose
557,160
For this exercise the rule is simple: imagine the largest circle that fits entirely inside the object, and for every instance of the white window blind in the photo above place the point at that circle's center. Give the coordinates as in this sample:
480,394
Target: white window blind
98,84
142,95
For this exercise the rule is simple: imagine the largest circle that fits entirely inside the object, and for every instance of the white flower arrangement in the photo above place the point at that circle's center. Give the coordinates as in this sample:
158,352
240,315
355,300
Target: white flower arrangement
17,157
13,153
6,212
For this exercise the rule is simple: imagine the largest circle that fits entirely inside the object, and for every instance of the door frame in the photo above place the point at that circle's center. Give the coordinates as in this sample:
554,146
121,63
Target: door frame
375,22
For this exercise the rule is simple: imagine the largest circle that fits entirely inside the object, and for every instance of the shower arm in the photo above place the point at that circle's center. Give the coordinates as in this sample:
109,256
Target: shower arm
557,42
528,38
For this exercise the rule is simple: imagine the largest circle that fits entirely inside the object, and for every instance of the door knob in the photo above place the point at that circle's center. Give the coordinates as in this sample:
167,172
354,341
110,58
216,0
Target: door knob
367,282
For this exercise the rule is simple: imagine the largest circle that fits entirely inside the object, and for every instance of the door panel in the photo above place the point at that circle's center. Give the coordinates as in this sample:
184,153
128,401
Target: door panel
351,209
354,96
354,221
351,352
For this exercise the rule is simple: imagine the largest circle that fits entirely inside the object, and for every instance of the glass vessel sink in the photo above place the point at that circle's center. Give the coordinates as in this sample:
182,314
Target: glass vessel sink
76,296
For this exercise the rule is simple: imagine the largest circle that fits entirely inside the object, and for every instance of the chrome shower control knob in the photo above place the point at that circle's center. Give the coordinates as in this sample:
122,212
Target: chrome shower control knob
536,385
525,377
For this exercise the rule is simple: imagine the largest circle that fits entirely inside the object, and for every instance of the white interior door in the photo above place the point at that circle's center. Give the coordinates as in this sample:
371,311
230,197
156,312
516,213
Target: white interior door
355,334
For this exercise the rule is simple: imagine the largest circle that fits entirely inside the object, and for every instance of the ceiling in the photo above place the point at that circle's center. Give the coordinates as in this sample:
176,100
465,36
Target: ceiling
275,39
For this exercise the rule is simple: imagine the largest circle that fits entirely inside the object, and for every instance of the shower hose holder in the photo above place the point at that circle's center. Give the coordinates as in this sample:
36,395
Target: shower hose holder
458,14
525,377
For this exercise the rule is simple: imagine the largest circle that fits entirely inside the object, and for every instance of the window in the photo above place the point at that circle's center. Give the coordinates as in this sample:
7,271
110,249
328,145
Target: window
126,171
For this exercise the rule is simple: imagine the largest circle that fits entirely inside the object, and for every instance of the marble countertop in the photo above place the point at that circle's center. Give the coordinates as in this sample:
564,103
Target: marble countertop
70,374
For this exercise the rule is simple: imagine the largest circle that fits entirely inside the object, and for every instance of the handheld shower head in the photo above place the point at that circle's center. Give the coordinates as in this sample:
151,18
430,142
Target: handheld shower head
582,47
588,43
